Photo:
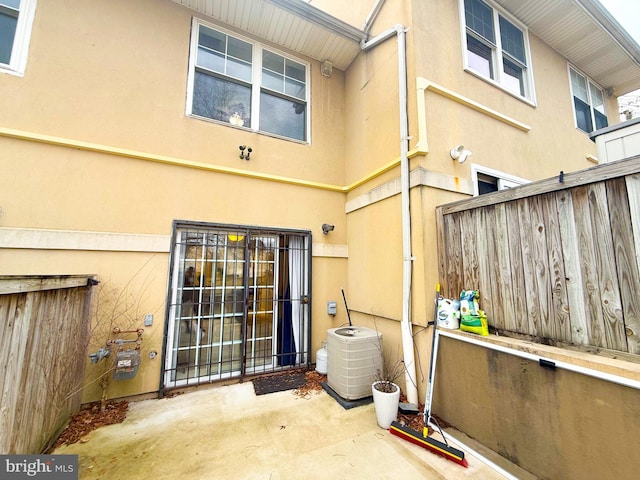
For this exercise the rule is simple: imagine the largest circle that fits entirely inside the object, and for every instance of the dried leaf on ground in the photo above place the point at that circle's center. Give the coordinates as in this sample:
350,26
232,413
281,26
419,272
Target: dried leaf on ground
87,420
313,383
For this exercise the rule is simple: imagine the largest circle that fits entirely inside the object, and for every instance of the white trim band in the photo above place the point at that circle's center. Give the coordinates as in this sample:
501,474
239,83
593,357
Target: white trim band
609,377
41,239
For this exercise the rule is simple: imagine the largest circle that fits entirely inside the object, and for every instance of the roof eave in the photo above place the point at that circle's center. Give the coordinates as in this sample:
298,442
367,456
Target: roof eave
613,27
321,18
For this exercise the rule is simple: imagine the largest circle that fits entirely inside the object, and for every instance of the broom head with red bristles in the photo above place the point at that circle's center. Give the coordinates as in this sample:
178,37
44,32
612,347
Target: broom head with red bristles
429,443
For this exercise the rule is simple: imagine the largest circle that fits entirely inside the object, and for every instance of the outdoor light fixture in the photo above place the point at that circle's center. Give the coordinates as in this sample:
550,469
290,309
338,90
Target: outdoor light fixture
459,153
326,68
242,154
326,228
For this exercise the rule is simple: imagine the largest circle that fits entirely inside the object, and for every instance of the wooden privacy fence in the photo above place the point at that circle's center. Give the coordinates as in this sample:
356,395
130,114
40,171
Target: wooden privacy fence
557,260
44,330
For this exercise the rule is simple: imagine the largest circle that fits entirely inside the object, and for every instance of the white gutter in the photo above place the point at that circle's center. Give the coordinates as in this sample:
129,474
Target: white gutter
373,14
411,386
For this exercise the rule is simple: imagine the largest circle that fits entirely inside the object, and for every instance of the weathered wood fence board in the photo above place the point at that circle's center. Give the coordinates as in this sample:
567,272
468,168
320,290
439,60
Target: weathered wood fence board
44,330
555,260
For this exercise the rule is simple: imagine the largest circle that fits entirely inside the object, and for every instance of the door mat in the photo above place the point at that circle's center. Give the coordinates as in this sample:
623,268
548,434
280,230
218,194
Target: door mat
346,404
279,383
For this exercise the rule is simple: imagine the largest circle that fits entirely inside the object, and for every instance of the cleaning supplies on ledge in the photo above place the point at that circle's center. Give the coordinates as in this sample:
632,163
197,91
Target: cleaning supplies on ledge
472,319
448,313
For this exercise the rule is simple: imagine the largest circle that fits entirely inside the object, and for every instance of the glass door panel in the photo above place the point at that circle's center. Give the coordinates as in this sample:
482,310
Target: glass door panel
236,304
209,309
262,307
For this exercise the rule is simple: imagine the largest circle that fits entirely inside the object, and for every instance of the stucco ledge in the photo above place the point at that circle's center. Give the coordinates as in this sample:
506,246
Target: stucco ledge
618,367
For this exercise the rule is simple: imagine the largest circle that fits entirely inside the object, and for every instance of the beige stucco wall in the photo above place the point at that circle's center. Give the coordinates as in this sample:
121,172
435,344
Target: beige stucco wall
105,76
553,143
548,143
114,74
123,83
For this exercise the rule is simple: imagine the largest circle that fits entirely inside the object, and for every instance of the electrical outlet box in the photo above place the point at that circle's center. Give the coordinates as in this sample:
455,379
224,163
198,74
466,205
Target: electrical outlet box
332,308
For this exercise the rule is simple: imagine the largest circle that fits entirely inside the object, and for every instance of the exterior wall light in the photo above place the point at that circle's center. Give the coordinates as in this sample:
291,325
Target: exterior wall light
326,228
326,68
242,150
459,153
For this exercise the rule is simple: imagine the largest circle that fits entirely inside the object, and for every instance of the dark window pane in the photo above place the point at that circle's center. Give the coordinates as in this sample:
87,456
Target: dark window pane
295,70
239,49
479,57
273,62
583,115
486,187
7,34
512,40
283,117
601,119
219,99
479,18
11,3
214,40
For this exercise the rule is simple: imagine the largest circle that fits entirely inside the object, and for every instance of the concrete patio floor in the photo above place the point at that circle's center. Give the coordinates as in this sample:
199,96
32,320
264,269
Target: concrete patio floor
227,432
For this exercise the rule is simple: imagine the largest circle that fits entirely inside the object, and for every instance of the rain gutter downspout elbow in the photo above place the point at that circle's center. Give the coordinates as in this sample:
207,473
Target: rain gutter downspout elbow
407,334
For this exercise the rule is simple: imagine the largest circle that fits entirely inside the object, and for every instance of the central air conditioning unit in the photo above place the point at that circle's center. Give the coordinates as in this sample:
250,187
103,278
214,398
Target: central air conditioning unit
354,357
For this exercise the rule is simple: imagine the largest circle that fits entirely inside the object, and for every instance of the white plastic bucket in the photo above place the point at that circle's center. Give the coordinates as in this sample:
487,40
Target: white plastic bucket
321,360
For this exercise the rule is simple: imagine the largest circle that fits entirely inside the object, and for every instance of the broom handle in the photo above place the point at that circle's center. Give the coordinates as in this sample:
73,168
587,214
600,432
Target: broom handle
346,306
432,363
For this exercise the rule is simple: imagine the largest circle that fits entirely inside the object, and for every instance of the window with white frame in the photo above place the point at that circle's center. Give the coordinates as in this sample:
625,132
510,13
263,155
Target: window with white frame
487,180
16,18
496,48
244,84
588,102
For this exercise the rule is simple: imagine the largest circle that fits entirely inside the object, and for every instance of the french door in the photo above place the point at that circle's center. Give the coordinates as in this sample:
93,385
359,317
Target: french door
239,302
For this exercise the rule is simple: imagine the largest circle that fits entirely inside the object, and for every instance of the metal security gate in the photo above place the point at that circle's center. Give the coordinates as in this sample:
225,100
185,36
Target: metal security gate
239,302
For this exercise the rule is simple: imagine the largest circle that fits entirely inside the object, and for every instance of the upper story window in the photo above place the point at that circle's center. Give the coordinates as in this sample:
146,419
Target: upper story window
245,84
497,48
16,18
588,103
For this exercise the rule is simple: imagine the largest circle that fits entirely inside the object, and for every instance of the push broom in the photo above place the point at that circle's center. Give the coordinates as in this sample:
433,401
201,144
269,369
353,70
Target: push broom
423,440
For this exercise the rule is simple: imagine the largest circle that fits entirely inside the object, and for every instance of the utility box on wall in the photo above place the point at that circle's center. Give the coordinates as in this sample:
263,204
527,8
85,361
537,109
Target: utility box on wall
127,363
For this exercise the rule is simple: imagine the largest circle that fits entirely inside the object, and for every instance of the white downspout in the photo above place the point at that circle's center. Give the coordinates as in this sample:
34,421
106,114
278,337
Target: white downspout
405,325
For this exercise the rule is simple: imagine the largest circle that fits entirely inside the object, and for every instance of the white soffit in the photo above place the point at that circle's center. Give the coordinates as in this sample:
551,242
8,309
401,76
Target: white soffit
586,34
292,24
